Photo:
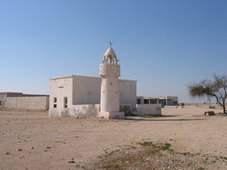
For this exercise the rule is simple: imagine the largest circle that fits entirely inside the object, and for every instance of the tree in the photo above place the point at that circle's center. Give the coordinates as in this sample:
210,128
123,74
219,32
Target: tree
216,88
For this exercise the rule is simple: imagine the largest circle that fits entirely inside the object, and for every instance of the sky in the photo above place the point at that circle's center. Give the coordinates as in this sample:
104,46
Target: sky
166,45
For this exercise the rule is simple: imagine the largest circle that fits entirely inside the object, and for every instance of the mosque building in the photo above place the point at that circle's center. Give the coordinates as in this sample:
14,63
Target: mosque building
104,96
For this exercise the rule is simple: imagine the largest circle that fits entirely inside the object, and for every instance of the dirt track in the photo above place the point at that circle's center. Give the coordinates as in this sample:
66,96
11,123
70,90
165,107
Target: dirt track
31,140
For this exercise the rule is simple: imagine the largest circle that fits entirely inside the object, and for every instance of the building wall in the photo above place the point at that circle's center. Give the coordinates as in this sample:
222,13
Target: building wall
27,103
59,90
4,95
86,90
127,90
83,90
163,100
84,110
148,109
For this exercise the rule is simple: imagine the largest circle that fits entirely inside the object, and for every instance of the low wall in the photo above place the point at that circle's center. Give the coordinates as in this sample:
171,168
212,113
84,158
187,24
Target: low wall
77,111
172,107
27,103
92,110
148,109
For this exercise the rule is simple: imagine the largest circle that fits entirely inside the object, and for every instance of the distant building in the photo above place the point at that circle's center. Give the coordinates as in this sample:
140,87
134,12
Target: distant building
14,100
163,100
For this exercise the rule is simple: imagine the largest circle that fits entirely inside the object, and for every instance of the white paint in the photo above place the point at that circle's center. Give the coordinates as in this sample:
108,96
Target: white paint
110,94
77,111
110,98
127,90
60,88
84,90
148,109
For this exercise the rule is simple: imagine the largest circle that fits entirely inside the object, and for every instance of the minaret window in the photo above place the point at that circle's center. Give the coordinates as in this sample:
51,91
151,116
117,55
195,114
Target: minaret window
55,102
65,102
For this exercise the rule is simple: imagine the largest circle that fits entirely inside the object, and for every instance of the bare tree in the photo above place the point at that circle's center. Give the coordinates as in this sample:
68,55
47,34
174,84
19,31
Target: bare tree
216,88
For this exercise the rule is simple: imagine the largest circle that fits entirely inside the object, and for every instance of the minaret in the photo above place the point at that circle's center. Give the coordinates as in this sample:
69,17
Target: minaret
109,72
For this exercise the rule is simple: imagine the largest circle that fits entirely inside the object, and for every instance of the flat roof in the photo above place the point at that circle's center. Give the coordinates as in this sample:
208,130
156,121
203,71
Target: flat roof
19,94
157,97
66,77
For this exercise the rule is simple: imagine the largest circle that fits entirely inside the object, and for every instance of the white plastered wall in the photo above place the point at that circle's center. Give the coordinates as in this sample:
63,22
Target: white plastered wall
60,88
86,90
127,90
148,109
83,90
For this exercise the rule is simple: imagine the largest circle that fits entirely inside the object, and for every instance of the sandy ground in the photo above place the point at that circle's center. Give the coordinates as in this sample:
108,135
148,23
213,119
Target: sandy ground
31,140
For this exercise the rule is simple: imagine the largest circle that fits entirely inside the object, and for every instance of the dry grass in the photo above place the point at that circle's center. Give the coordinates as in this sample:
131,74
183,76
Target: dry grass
148,155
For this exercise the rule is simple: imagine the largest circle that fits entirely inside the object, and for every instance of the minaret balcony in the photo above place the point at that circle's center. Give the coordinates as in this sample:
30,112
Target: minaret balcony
109,70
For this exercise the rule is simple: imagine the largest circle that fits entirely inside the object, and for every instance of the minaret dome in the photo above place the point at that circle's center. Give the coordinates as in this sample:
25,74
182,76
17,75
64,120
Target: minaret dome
110,56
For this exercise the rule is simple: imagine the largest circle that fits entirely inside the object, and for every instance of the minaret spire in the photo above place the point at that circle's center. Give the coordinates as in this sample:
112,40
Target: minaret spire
110,56
110,44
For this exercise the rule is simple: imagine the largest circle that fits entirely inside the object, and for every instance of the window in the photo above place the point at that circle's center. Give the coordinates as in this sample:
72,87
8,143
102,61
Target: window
175,103
55,102
138,101
0,103
153,101
146,101
65,102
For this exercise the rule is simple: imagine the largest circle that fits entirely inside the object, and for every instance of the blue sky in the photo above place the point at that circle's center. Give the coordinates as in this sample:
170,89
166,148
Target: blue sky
163,44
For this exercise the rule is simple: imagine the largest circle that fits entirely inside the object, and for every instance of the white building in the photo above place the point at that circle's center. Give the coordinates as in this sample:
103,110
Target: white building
77,95
80,95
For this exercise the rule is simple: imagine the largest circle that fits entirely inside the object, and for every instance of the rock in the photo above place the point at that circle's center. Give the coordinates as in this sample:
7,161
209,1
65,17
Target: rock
19,150
7,153
48,147
32,147
71,162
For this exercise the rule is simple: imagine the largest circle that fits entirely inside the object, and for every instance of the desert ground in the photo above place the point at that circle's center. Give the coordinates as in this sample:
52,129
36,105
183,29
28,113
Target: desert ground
32,140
